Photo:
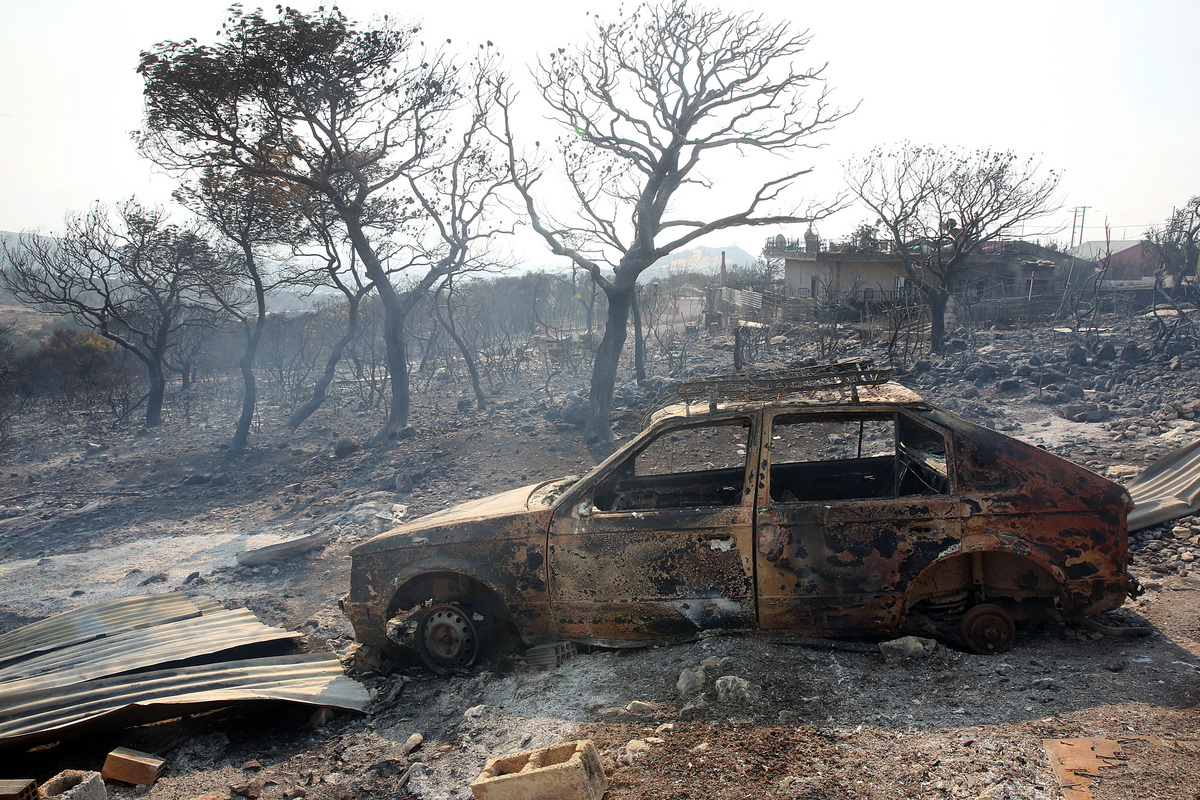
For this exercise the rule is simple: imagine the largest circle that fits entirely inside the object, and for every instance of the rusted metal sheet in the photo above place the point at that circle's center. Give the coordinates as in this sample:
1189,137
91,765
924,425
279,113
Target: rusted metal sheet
112,655
93,622
1076,762
1168,489
48,715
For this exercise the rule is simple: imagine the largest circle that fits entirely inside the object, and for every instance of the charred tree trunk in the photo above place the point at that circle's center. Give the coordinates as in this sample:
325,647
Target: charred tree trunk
639,341
938,299
608,358
157,393
322,387
250,388
430,346
394,312
241,434
464,351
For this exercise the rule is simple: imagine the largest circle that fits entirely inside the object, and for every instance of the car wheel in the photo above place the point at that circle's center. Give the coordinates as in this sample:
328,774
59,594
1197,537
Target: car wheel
988,628
449,638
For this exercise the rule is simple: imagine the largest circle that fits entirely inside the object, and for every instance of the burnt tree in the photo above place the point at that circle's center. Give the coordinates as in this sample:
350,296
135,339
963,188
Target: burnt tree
938,207
643,102
360,118
254,216
131,276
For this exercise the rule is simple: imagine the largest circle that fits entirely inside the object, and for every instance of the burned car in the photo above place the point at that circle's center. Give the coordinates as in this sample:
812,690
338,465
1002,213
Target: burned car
830,503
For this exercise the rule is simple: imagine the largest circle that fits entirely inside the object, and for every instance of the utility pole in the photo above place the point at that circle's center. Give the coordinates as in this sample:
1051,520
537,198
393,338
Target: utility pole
1079,214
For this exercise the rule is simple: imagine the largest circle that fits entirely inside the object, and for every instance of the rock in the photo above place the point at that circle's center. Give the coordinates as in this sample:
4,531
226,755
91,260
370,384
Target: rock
980,373
474,712
1132,353
345,446
1010,386
632,751
1077,355
1107,353
640,708
252,765
787,717
158,577
907,647
690,681
732,689
412,743
252,789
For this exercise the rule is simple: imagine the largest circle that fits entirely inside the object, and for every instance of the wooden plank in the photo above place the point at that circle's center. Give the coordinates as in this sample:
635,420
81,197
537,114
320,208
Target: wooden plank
22,789
132,766
284,550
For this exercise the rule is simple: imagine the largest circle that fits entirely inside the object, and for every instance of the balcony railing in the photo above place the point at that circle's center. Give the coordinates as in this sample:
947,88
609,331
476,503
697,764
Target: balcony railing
780,244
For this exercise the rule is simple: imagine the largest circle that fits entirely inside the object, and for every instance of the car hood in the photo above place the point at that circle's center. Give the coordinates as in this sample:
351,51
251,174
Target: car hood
517,512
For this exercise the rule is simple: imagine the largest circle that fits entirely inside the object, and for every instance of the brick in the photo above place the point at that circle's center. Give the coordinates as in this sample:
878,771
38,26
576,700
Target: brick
132,766
569,771
24,789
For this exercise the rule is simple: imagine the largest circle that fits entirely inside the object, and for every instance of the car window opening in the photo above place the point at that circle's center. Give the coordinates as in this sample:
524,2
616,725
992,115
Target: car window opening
699,466
821,459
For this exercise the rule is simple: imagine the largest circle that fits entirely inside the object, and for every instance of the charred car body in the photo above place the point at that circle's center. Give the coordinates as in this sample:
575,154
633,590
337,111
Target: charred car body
843,505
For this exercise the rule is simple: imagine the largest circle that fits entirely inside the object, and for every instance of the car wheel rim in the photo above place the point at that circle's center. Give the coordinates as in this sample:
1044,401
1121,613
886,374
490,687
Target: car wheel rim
450,637
988,628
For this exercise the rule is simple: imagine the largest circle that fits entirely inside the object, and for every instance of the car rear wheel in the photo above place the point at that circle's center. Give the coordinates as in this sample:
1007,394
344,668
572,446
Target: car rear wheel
988,628
450,638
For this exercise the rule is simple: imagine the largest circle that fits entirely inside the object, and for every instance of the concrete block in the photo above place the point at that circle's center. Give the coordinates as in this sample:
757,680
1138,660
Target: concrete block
75,784
568,771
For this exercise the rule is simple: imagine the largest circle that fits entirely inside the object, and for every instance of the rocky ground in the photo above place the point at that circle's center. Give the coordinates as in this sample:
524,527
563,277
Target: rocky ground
89,514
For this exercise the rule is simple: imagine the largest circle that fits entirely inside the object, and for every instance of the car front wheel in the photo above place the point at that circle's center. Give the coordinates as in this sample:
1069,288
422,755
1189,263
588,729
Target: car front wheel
450,638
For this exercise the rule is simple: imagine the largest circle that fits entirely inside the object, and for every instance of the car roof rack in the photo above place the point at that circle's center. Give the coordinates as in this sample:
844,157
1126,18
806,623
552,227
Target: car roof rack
772,385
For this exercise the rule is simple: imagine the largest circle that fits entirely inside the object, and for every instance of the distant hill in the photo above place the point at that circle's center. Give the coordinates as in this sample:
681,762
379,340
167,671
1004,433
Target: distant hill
706,260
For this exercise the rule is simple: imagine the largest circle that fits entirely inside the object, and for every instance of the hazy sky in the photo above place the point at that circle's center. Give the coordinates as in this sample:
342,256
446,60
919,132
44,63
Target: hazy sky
1106,92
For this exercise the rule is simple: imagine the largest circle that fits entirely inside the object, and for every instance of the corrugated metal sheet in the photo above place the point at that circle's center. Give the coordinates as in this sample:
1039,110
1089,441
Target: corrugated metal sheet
312,678
1168,490
138,649
93,622
78,671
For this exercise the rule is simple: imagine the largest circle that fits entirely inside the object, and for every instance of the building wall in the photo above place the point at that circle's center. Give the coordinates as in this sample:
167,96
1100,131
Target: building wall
841,275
